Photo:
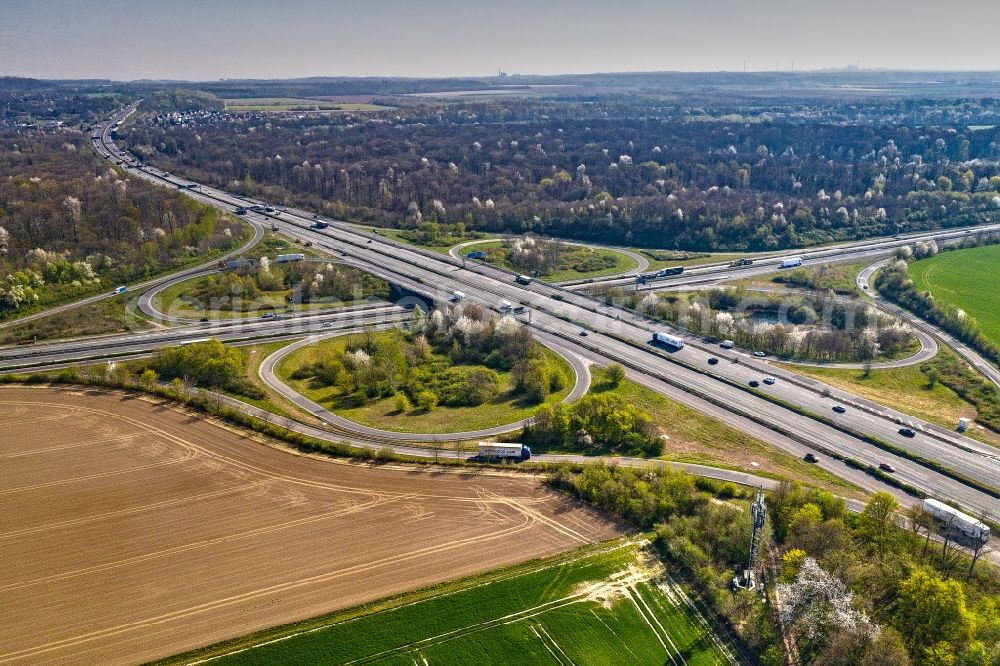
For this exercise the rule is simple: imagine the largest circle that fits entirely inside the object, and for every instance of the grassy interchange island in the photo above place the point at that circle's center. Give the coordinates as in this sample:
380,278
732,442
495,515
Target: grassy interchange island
553,260
452,372
266,285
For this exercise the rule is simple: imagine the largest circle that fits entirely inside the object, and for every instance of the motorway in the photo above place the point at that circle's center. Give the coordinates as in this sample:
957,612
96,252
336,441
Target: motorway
840,253
614,335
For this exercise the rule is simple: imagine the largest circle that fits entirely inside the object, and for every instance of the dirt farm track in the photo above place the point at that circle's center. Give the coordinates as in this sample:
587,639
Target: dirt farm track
130,530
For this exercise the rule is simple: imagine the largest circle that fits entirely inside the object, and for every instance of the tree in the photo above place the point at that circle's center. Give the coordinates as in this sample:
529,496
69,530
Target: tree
402,403
148,378
877,521
929,609
615,375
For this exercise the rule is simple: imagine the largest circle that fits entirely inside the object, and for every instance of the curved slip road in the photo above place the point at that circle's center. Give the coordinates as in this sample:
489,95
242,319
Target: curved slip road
971,356
581,370
258,234
928,345
642,264
148,300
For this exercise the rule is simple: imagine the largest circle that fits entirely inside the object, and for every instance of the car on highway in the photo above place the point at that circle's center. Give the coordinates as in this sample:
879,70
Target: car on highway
886,467
907,432
759,354
584,333
754,383
713,361
204,320
769,380
267,315
810,458
840,409
327,324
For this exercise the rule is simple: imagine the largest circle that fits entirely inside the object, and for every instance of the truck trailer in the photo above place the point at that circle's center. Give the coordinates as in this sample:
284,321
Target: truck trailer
957,525
495,451
667,340
790,262
282,258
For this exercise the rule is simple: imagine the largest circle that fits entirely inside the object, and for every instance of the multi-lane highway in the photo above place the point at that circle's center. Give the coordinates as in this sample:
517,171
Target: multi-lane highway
785,408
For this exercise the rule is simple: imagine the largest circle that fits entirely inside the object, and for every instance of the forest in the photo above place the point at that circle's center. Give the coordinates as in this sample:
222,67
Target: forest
70,225
652,175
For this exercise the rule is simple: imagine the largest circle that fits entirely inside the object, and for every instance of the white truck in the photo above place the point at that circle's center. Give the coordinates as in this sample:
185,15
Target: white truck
298,256
457,296
955,524
495,451
505,307
667,340
790,262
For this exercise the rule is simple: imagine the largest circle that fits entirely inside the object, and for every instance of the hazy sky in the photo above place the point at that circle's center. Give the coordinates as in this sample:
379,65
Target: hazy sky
209,39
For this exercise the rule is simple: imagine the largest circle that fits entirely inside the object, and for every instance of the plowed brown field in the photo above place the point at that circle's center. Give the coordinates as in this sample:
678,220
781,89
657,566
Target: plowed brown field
130,530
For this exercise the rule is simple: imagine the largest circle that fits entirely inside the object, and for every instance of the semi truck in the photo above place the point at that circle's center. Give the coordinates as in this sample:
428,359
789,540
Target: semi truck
741,262
667,340
505,306
457,296
319,225
790,262
957,525
282,258
523,279
676,270
494,451
236,263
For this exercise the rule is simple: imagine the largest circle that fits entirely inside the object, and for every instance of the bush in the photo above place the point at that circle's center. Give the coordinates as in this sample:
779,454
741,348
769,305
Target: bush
426,401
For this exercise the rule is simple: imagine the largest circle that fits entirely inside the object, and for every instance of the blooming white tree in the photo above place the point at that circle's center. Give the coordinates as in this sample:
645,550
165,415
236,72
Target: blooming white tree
265,266
357,359
507,325
4,242
817,602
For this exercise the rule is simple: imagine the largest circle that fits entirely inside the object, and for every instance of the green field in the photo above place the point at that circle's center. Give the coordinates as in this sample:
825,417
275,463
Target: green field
608,604
967,279
295,104
383,414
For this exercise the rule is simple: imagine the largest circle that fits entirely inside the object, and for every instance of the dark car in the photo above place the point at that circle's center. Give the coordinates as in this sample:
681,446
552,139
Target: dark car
584,333
203,320
840,409
713,361
810,458
886,467
907,432
754,383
